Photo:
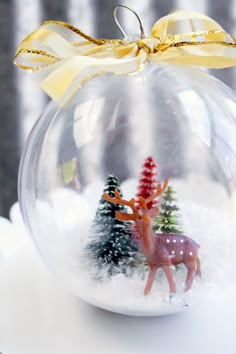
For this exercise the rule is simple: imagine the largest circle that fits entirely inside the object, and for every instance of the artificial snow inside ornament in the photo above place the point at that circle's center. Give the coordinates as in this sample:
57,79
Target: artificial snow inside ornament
128,175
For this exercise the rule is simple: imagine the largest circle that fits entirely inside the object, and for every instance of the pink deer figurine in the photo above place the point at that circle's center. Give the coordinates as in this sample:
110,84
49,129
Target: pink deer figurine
160,250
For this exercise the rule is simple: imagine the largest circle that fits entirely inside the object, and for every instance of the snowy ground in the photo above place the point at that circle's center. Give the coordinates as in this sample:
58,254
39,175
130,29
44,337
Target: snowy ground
62,228
38,315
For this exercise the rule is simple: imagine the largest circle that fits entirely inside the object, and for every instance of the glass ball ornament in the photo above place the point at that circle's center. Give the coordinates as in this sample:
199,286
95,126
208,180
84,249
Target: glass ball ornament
129,133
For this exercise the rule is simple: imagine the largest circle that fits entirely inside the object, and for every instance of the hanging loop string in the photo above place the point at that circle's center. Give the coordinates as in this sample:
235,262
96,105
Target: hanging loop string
142,35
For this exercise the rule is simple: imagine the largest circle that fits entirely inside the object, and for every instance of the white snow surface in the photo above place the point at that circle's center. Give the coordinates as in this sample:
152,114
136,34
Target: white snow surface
62,231
12,233
38,314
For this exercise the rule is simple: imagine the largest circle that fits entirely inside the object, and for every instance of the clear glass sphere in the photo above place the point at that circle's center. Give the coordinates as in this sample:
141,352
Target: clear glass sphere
184,121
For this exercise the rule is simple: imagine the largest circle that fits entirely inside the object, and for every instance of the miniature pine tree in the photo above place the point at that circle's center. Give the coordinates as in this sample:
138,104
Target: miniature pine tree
148,181
167,220
112,239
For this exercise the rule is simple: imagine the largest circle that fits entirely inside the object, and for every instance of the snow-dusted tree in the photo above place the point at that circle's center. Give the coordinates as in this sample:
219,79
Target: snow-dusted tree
112,244
167,220
148,181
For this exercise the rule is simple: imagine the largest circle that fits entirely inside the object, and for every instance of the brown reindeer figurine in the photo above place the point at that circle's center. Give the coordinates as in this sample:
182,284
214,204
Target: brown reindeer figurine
160,250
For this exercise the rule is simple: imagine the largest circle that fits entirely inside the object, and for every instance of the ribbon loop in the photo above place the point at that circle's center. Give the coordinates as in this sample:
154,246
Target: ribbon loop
65,54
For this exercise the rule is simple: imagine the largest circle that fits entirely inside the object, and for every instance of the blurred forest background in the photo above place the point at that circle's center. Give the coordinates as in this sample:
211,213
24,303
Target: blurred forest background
21,100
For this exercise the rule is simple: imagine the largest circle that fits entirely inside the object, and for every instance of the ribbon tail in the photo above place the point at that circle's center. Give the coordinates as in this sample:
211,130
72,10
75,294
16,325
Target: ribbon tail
215,55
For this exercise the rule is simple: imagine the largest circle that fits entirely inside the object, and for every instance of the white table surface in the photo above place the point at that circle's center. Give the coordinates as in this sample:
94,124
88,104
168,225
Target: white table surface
39,316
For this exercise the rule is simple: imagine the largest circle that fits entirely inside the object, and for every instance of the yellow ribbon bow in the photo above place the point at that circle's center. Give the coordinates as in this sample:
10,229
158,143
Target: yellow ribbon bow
64,54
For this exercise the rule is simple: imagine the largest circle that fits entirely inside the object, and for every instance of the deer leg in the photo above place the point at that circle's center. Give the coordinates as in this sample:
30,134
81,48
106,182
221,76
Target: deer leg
198,272
192,268
169,275
150,279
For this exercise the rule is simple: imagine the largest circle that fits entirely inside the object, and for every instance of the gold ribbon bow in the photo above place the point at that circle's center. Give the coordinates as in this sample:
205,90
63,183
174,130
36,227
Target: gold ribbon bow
64,54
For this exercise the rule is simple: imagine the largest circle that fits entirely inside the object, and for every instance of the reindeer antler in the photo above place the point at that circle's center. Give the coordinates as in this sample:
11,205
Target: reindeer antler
117,200
160,189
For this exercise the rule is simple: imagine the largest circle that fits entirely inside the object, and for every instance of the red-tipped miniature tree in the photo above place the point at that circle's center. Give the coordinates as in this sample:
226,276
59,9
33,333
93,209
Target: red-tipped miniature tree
148,181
